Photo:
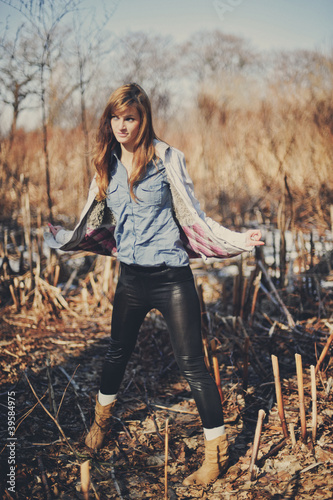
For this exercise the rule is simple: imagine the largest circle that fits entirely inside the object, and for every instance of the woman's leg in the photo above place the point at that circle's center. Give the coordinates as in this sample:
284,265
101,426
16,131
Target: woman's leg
176,297
129,311
181,309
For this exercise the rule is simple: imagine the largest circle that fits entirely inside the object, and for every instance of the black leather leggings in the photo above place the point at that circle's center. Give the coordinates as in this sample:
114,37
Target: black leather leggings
172,292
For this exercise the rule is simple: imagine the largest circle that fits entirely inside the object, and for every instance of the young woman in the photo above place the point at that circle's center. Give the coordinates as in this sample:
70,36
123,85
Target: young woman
141,207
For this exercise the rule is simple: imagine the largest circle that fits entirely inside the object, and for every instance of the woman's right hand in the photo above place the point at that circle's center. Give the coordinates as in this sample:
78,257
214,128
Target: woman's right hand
54,229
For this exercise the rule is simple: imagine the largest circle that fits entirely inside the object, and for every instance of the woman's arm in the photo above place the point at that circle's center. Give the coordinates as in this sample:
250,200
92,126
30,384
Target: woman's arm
246,240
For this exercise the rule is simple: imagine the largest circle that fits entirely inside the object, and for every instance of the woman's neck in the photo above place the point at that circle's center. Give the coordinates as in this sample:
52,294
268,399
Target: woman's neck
127,159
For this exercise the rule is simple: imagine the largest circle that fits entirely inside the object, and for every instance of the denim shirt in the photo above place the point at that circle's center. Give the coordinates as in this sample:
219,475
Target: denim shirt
146,233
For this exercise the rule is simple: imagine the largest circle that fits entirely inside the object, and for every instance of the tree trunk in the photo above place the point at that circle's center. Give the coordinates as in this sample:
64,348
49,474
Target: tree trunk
87,177
45,146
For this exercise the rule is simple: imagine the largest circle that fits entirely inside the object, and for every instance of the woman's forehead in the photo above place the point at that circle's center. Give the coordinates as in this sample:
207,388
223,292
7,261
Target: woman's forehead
125,110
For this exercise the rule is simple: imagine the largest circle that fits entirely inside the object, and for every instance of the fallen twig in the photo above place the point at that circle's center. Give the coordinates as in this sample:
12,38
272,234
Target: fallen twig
273,451
113,476
290,320
51,391
324,352
56,296
51,416
75,388
63,395
175,410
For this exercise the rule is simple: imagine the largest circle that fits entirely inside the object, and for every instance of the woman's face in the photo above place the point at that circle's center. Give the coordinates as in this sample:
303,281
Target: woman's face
125,127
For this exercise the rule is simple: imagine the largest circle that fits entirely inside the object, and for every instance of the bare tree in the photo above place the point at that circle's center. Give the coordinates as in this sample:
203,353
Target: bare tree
212,54
17,76
44,19
150,61
91,43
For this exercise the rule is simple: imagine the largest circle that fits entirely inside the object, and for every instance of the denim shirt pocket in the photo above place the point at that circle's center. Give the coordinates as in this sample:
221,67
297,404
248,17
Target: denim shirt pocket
150,193
112,195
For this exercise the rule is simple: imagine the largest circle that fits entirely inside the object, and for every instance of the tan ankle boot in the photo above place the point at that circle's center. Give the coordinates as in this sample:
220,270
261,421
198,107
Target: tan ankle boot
100,426
216,460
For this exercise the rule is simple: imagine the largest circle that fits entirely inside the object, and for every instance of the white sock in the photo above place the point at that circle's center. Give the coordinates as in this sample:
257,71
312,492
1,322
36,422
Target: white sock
106,399
214,433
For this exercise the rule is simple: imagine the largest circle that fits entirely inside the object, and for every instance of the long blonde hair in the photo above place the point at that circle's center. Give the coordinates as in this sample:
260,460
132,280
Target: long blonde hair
127,95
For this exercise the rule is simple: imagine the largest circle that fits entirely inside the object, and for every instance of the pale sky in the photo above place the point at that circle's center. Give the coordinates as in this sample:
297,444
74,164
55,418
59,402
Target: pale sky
266,24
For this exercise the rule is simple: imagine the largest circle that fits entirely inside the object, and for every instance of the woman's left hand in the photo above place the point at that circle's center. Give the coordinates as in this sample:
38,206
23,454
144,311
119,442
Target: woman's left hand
54,229
253,238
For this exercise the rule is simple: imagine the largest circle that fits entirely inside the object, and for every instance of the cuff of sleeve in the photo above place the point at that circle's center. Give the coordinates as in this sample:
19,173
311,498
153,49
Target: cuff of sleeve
63,236
239,239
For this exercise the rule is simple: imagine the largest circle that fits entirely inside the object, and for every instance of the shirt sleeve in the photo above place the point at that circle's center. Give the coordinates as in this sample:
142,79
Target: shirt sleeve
63,236
233,237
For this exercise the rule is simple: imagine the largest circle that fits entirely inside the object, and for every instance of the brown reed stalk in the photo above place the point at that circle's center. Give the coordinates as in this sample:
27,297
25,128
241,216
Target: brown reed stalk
166,454
5,249
292,434
299,371
279,398
256,442
324,352
204,327
246,363
18,291
26,215
44,478
106,278
237,292
56,275
255,295
84,295
13,294
85,479
243,297
40,238
314,403
94,287
216,368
